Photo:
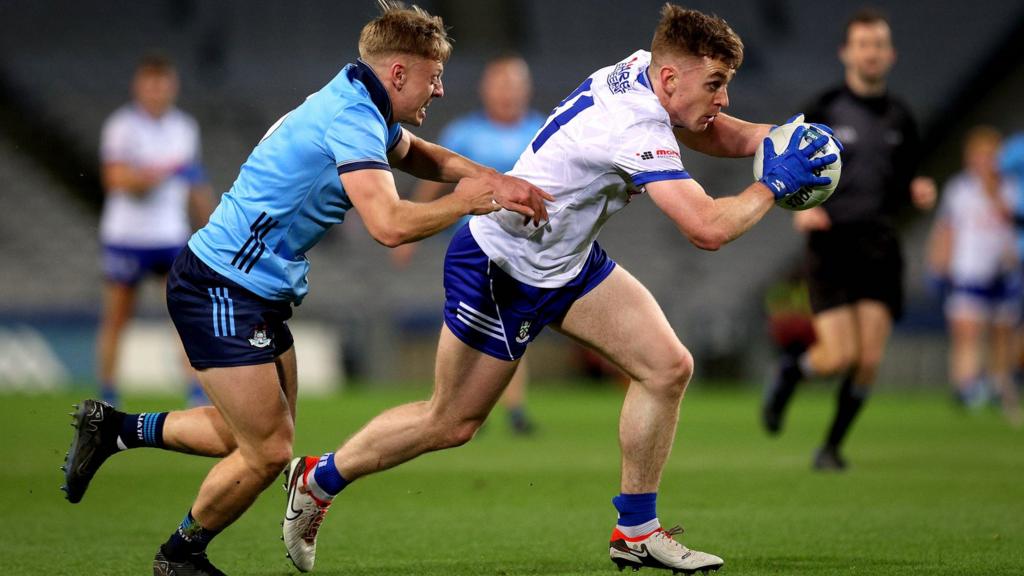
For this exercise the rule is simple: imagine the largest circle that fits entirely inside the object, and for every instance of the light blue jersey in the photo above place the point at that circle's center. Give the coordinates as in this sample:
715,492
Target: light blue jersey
486,142
288,192
1011,163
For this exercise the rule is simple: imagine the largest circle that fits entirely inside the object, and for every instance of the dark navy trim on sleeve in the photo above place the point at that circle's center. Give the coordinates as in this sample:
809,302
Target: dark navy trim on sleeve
363,165
362,72
398,138
642,178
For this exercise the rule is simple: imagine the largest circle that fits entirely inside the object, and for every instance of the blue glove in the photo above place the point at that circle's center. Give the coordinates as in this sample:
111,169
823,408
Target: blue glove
799,118
828,130
791,170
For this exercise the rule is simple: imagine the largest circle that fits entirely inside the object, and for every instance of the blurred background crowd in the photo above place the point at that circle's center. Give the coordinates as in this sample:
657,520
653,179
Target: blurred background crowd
65,67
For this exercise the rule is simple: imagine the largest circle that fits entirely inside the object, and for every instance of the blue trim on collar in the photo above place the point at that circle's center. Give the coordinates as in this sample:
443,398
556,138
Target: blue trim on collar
361,71
643,78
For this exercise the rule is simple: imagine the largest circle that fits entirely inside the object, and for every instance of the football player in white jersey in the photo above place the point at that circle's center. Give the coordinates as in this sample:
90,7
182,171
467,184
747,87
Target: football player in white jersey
973,245
154,184
612,138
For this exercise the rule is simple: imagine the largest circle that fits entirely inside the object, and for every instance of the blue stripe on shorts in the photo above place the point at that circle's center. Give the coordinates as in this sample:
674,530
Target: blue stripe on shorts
496,314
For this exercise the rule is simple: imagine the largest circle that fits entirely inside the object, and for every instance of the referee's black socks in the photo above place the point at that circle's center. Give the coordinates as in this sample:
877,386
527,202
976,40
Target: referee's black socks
850,400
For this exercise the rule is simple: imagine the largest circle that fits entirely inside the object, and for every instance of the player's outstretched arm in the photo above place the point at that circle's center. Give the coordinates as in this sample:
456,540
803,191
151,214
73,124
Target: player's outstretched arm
393,221
430,161
709,223
727,137
125,177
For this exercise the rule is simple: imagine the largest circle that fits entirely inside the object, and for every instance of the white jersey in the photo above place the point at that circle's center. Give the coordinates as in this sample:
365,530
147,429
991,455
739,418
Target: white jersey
598,148
160,217
984,242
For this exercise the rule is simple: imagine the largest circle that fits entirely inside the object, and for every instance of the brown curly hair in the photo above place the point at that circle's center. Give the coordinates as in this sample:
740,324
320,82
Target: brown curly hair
690,32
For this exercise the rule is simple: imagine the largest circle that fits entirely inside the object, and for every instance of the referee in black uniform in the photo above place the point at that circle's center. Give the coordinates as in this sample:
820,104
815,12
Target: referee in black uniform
854,261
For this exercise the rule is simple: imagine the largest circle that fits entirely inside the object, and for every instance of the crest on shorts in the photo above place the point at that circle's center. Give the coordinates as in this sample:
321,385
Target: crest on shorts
260,339
524,332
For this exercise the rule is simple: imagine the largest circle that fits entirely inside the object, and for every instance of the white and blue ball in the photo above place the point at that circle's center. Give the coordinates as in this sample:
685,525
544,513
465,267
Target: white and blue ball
806,197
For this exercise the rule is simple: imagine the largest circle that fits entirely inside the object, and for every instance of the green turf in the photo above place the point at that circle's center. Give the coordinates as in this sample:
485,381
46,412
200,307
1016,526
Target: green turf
931,492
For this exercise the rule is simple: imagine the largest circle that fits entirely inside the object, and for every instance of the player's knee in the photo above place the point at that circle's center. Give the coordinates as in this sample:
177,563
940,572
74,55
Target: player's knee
461,433
837,361
867,367
271,456
276,458
675,375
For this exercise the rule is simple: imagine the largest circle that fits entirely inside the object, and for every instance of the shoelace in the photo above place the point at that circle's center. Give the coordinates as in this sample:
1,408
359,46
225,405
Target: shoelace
314,524
673,531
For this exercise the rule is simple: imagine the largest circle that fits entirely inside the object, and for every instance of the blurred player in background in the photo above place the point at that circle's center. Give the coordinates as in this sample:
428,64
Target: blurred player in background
493,136
854,260
154,183
1011,166
973,246
612,138
231,291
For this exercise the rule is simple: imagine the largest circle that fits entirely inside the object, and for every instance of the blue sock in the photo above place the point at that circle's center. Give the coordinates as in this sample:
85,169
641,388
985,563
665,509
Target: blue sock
146,429
196,395
108,394
189,538
327,477
636,509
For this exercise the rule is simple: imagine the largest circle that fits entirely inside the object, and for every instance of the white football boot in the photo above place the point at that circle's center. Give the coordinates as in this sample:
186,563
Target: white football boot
659,550
302,515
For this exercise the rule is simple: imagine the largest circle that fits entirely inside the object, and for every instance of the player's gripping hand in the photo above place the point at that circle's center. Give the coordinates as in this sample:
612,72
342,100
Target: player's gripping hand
477,195
799,118
521,197
792,169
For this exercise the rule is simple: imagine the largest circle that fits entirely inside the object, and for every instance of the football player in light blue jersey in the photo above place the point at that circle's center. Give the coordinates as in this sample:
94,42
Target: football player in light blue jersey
232,290
493,136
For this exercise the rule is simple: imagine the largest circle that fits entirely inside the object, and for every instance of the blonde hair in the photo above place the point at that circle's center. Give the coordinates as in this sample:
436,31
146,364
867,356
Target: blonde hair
983,134
689,32
404,30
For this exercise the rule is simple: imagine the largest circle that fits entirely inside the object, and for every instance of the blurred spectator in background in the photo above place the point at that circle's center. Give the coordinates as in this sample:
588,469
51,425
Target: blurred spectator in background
1011,165
1011,161
494,136
154,182
973,246
854,260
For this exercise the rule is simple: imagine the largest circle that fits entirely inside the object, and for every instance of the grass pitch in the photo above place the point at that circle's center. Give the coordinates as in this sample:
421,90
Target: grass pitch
931,491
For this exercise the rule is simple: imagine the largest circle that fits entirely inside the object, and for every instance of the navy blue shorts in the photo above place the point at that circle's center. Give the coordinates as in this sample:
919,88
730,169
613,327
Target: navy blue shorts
496,314
220,323
129,266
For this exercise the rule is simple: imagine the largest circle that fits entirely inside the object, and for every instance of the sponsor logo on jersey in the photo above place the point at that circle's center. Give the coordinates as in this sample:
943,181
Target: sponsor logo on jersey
618,79
260,339
659,153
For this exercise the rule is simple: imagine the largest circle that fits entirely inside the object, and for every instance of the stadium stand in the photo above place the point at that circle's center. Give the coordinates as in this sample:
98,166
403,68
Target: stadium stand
244,64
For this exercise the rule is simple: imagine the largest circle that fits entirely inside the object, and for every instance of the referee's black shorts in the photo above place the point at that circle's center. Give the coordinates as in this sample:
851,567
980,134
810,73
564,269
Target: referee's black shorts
854,262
